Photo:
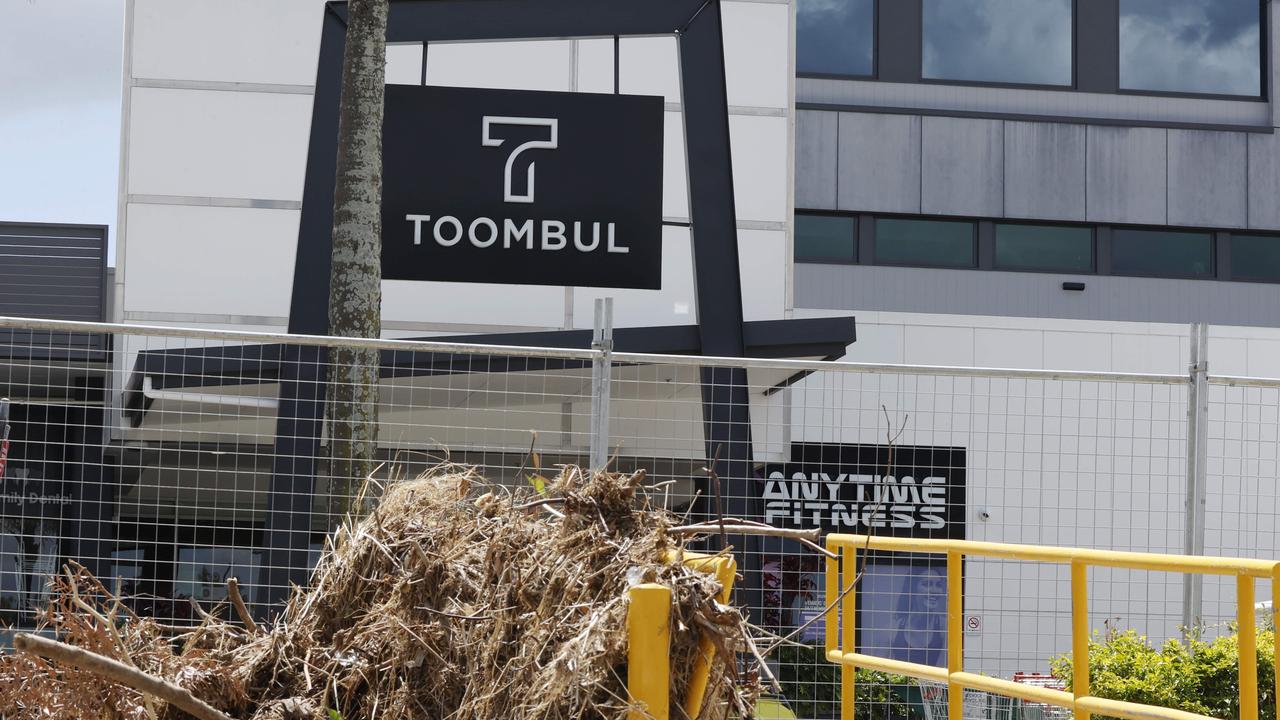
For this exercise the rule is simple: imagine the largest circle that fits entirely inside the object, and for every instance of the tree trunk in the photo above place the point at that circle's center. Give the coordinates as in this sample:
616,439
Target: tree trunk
355,281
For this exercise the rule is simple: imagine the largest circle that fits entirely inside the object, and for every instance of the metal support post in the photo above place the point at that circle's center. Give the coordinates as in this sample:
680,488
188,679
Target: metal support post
1197,469
601,371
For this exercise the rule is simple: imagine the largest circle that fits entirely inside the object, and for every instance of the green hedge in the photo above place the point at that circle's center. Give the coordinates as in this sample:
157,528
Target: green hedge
811,687
1195,675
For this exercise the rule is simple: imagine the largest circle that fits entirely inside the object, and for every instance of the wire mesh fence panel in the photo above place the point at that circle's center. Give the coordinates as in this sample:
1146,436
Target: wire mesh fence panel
169,460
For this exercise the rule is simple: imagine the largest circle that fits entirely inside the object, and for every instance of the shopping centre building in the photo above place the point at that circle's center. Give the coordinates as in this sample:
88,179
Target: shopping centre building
1013,184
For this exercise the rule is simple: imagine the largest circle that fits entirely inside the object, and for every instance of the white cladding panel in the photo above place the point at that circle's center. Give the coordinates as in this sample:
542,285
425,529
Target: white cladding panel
231,261
756,53
246,41
759,167
524,65
404,64
674,304
218,144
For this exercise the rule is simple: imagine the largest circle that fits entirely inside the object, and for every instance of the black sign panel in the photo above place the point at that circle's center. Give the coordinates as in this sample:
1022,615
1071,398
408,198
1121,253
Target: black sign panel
535,188
26,495
864,489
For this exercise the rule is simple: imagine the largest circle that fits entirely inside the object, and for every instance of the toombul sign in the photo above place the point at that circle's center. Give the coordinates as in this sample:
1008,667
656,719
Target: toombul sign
536,188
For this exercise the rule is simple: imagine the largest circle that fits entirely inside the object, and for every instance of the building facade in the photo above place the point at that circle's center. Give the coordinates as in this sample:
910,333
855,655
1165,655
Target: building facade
1034,184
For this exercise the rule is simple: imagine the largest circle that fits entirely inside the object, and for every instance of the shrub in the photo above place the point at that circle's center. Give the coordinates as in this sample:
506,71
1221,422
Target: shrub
1196,675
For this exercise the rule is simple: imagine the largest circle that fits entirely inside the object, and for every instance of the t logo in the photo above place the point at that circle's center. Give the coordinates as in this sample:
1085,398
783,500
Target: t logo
508,192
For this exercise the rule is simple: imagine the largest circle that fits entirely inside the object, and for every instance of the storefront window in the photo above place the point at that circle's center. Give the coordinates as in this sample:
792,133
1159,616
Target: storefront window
203,572
28,559
998,41
835,37
1191,46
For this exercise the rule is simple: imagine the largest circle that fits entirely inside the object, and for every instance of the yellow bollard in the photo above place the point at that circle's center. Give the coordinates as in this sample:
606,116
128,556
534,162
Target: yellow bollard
1080,634
1248,646
1275,626
649,651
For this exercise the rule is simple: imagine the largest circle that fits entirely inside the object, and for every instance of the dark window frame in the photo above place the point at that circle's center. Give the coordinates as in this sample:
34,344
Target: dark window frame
1108,84
857,232
1093,246
984,238
875,240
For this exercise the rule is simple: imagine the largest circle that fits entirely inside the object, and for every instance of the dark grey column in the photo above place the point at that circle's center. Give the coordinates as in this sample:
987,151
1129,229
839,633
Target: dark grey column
898,40
1097,45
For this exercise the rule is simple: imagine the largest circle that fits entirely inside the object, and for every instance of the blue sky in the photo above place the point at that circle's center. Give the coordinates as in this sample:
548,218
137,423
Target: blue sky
60,109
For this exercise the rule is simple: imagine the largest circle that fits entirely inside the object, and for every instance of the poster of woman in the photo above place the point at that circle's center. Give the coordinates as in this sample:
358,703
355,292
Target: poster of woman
904,612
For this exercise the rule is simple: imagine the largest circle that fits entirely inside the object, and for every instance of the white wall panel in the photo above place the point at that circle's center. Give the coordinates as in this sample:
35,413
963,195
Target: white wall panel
649,66
962,167
938,345
227,40
522,65
675,172
674,304
1264,181
755,53
759,166
227,261
218,144
816,159
1044,171
1126,175
879,163
1207,178
1006,348
762,254
472,304
404,64
595,65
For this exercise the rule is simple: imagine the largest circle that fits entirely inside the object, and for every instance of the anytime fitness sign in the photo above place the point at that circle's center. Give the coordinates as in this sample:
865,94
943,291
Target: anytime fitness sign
536,188
845,488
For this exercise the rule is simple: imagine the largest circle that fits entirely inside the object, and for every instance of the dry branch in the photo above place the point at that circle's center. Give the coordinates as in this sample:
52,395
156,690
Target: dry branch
233,590
117,672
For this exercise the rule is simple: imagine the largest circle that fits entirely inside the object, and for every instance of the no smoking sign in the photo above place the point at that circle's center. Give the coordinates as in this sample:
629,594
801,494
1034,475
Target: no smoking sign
972,624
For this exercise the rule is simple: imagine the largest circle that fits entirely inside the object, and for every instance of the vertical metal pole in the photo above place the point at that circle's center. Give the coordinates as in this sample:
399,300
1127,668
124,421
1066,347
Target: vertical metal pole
1248,644
602,343
1275,616
955,634
848,641
1080,634
1197,469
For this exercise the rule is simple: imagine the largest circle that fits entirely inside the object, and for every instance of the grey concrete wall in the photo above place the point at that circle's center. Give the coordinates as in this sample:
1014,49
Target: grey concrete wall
970,167
866,288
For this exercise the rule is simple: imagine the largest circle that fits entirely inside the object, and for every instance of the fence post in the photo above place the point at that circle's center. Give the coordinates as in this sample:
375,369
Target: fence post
1197,468
602,343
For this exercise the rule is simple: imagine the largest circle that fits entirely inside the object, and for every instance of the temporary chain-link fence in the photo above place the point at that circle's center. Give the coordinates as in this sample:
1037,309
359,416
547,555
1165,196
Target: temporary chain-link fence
167,460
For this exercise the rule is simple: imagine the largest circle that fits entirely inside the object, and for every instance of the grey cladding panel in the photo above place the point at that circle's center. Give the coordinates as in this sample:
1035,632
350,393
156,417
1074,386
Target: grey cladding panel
879,163
962,167
1044,171
1125,175
52,271
1207,178
1264,182
865,288
816,159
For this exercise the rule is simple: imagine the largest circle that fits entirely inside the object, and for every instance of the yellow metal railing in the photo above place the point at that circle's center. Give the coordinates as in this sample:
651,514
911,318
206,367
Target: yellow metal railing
841,648
649,641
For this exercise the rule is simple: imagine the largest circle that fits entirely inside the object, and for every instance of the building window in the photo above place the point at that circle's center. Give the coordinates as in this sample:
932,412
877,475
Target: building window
835,37
1191,46
937,243
1255,257
1044,247
826,239
999,41
1161,253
